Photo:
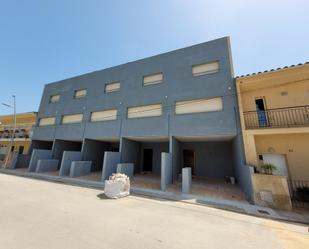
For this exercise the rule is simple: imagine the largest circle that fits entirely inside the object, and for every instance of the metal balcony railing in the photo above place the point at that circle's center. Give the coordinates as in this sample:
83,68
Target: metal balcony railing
297,116
21,131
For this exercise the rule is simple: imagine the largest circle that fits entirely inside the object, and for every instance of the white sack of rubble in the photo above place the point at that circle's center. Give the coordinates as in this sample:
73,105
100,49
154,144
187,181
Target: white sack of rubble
117,186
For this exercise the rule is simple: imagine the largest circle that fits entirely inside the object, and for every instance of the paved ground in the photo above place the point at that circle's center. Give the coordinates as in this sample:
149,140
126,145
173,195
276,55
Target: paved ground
41,215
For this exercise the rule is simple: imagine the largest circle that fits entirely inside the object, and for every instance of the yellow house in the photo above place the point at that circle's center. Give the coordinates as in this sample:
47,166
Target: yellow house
22,134
274,114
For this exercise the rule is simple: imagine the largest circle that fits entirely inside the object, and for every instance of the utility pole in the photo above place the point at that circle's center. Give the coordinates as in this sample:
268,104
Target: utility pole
14,128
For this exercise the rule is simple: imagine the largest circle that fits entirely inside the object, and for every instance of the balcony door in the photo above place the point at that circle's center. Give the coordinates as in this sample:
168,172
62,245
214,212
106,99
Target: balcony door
261,111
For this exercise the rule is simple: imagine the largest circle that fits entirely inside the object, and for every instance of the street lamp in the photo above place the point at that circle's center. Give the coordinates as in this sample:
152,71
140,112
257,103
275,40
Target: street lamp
14,128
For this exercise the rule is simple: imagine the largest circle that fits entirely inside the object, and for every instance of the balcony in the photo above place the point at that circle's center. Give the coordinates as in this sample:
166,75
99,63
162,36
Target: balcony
22,131
297,116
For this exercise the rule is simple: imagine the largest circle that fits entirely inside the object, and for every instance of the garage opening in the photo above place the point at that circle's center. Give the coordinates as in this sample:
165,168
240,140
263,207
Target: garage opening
59,147
23,160
212,165
145,154
93,150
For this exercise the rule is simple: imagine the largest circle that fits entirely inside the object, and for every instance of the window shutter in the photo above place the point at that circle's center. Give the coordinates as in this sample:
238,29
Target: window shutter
112,87
104,115
153,79
54,98
74,118
80,93
47,121
198,105
145,111
207,68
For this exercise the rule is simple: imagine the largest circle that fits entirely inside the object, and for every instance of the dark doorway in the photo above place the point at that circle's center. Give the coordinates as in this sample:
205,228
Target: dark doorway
114,149
147,160
189,159
261,111
12,148
21,150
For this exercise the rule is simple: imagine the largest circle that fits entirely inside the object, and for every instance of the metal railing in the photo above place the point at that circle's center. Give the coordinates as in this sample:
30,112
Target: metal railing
21,131
299,191
276,118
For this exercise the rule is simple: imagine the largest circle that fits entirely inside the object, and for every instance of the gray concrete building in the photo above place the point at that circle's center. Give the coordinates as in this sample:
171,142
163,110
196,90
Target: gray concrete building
161,114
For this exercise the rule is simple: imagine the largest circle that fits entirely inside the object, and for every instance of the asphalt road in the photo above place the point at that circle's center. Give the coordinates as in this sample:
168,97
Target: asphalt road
41,215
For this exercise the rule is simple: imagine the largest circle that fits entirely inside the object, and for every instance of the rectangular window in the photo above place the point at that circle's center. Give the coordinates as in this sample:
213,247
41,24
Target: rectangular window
47,121
112,87
153,79
199,105
104,115
54,98
145,111
207,68
71,119
80,93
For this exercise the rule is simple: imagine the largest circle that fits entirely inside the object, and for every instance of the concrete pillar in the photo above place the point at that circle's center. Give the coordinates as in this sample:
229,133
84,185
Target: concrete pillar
110,161
80,168
250,150
47,165
166,170
186,180
126,168
36,156
67,159
174,150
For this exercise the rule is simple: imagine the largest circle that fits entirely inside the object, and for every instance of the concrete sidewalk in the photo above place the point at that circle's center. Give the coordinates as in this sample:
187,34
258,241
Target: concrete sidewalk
299,216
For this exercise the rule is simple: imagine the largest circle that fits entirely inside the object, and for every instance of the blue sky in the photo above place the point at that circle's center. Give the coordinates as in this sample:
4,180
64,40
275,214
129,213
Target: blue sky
42,41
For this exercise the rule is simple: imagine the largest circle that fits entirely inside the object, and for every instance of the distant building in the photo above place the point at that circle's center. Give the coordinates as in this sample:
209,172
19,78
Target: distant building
22,134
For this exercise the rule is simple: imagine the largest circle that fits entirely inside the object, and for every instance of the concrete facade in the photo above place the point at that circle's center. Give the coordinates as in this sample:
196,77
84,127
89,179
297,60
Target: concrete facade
211,134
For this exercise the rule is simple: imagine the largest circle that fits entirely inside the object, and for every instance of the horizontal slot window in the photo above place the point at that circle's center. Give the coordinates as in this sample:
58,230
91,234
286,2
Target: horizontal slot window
71,119
54,98
80,93
198,105
145,111
207,68
47,121
153,79
112,87
104,115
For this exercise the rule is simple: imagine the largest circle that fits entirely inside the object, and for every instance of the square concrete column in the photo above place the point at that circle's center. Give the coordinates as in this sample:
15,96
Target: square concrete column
80,168
186,180
126,168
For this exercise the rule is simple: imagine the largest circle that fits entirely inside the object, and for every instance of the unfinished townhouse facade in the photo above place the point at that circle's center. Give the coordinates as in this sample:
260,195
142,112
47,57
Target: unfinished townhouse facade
152,117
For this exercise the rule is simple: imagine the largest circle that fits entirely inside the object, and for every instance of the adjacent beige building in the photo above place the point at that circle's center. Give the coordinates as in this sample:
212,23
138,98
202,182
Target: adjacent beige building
274,112
274,115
